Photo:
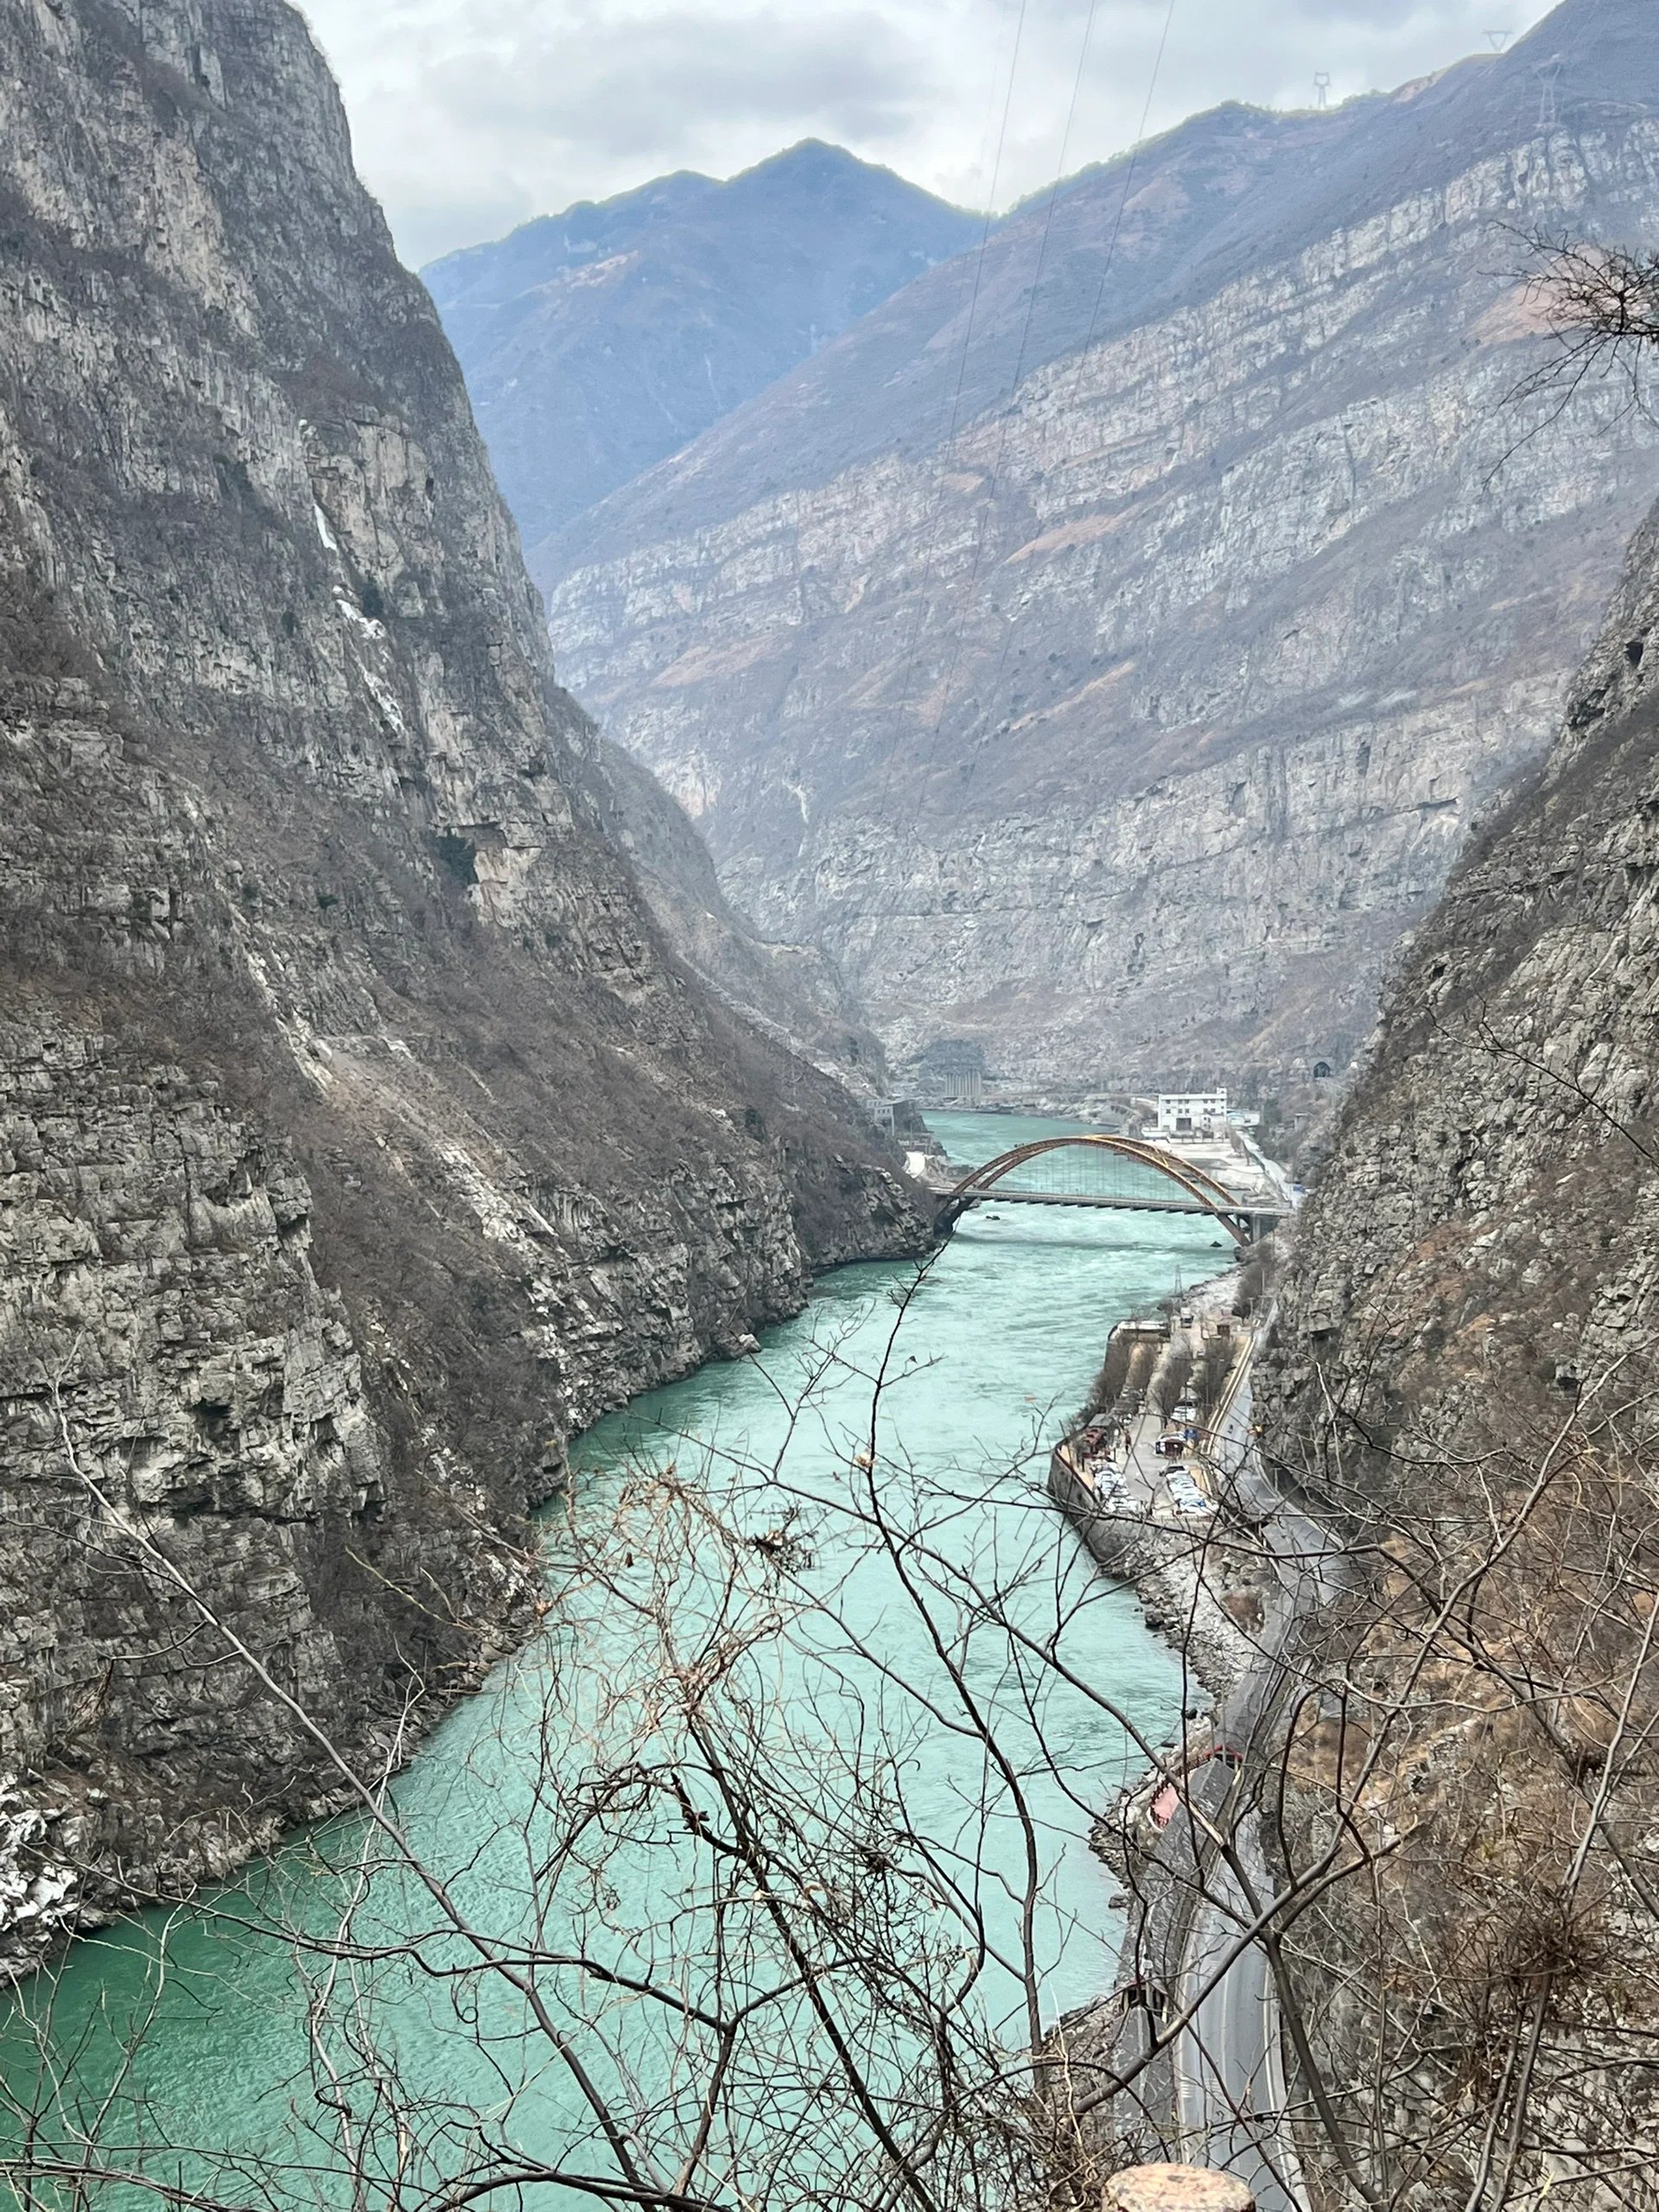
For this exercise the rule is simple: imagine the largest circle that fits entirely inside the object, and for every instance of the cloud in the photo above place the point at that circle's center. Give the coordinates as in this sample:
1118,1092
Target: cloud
472,114
672,80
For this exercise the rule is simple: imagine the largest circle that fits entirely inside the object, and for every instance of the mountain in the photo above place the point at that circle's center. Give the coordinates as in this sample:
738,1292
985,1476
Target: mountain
360,1135
791,992
598,341
1463,1378
1102,649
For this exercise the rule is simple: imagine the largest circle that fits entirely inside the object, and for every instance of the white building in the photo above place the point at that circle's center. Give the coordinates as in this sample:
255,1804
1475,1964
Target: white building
1192,1113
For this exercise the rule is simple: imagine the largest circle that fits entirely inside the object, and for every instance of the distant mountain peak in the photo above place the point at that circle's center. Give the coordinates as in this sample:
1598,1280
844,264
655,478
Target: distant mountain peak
710,291
812,152
821,157
1007,650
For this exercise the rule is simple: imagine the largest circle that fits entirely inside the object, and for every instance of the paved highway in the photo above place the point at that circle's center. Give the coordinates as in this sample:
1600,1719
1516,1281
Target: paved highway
1229,2067
1230,2080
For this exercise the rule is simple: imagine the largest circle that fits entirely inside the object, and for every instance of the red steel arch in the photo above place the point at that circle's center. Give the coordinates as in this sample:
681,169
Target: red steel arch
1203,1188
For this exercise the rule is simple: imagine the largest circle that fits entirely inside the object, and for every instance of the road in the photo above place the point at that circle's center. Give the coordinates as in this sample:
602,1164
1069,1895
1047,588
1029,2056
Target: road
1229,2083
1230,2092
1222,2077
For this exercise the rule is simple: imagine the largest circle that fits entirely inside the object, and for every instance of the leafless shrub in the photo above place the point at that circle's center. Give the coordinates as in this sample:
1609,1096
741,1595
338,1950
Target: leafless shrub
1174,1380
1214,1369
712,1950
760,1973
1599,304
1478,1733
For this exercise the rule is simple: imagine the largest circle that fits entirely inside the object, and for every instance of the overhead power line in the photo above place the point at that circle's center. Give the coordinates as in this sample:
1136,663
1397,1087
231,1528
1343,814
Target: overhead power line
993,690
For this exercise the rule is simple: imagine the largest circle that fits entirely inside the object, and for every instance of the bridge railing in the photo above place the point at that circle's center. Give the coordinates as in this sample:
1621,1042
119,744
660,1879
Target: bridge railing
1137,1172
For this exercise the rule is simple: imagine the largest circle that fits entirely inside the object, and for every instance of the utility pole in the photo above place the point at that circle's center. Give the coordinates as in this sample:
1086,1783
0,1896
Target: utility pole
1322,88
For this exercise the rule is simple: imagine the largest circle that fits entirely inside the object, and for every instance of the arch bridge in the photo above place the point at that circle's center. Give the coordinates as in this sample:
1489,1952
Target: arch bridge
1122,1174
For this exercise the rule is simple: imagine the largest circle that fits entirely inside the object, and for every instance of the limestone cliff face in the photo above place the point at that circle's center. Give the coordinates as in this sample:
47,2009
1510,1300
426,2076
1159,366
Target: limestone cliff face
1491,1174
1464,1373
792,993
358,1136
1103,650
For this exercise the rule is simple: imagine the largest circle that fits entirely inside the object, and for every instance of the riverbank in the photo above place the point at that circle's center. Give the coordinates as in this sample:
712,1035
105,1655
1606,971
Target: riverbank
197,2020
1229,1601
1137,1514
1211,1591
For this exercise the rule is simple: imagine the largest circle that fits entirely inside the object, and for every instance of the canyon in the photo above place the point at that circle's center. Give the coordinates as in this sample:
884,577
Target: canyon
1102,650
360,1136
1461,1381
1095,659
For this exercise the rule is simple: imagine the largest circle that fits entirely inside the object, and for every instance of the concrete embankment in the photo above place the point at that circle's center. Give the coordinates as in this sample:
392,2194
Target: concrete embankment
1192,2021
1156,1504
1188,1579
1207,1583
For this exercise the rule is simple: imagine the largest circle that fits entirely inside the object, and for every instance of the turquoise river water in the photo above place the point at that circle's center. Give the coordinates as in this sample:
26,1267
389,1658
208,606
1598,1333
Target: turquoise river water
241,2048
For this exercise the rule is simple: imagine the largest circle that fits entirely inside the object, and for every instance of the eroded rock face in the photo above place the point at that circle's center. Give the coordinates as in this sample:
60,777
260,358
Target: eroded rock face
358,1136
1463,1374
1483,1201
1121,712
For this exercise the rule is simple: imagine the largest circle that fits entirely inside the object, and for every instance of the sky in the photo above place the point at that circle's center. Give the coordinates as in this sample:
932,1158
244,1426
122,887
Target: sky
472,116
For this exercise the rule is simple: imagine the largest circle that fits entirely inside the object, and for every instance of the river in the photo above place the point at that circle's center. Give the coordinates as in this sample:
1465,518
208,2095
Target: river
222,2031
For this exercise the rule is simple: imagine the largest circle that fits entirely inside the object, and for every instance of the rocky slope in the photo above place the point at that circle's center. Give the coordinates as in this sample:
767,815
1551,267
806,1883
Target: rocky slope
1464,1375
598,341
358,1136
1102,649
792,993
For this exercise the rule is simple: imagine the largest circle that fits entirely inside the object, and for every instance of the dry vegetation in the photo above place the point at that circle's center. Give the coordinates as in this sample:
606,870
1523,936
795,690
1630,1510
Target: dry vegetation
1476,1739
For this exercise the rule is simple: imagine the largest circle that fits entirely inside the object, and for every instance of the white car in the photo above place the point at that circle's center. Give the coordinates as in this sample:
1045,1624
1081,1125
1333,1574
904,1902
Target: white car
1183,1489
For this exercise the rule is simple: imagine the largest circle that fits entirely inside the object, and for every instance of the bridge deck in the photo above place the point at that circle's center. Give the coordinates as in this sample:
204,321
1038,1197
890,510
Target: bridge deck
1000,1195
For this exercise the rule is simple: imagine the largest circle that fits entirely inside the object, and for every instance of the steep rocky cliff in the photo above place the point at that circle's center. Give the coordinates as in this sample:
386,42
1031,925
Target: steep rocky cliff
600,340
1464,1376
358,1136
1102,649
793,993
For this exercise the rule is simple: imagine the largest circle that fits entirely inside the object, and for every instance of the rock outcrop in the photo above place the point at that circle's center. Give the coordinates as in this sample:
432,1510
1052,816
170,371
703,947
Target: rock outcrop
1463,1377
1103,649
359,1137
599,341
792,993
